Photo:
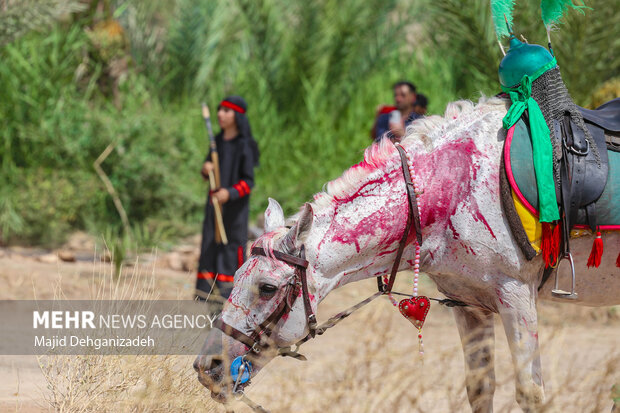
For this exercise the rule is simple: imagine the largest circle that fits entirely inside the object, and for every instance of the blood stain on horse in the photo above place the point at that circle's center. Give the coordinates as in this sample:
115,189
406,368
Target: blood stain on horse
479,217
380,222
468,249
245,311
499,297
458,168
455,234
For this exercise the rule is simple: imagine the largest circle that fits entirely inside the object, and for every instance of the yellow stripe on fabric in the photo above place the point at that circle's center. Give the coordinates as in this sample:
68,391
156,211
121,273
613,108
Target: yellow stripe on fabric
530,223
533,228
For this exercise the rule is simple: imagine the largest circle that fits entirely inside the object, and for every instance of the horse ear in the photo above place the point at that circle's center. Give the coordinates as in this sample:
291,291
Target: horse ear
274,217
303,225
297,235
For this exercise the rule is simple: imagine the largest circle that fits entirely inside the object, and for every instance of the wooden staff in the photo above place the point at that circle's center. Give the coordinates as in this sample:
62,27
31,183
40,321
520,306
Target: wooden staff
214,179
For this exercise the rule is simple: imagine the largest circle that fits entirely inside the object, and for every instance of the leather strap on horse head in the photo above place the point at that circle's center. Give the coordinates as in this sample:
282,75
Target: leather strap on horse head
258,339
300,265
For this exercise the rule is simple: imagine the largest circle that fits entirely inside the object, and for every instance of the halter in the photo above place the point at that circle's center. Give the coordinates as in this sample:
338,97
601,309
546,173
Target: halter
258,339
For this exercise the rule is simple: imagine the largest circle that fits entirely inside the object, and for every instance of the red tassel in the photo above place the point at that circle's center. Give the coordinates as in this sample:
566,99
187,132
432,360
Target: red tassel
545,243
618,261
550,243
555,243
597,252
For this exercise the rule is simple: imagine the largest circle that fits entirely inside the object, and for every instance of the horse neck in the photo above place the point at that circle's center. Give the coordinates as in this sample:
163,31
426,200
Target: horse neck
356,236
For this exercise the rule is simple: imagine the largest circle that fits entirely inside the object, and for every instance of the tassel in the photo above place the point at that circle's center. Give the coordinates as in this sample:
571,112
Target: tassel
550,243
555,243
597,251
545,243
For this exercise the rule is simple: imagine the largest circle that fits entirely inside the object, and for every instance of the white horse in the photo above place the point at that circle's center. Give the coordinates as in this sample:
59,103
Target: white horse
352,232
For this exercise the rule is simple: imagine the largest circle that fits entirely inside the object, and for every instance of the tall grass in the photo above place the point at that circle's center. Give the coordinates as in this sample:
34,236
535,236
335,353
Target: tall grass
350,368
312,72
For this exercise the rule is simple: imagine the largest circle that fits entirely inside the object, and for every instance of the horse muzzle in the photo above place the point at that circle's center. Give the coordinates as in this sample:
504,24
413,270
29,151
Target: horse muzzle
211,374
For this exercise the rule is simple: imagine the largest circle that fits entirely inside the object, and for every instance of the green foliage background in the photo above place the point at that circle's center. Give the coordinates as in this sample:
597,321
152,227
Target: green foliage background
313,73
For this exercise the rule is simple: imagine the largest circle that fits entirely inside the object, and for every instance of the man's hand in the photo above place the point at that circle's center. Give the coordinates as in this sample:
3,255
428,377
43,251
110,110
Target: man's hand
207,169
222,195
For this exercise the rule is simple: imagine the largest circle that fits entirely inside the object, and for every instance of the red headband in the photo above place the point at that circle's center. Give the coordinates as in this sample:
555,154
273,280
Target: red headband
232,106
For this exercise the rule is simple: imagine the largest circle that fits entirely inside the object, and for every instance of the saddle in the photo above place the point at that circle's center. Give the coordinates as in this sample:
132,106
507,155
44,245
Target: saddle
588,191
589,182
605,116
583,170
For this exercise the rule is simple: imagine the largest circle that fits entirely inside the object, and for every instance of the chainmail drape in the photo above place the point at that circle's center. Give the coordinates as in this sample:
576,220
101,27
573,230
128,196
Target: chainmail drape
552,96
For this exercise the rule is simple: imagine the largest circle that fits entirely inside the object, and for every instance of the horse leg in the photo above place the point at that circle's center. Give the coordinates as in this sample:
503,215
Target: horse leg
478,339
517,308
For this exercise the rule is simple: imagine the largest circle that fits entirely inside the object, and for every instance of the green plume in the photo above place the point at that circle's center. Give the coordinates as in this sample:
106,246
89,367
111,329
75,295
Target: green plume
501,10
552,10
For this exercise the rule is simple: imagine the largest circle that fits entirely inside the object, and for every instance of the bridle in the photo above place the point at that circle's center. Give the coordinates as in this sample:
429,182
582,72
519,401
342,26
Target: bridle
258,339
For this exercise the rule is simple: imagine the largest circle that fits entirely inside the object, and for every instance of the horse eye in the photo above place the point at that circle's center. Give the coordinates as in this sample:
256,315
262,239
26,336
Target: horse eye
267,289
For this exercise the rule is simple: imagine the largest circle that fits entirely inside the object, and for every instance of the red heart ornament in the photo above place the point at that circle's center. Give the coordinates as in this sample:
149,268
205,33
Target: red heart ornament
415,309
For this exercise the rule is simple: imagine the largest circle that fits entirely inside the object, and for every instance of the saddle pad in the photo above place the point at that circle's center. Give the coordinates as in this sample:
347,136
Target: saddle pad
520,172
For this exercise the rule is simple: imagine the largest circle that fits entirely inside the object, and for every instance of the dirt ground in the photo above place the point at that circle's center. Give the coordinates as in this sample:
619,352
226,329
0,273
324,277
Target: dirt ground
368,363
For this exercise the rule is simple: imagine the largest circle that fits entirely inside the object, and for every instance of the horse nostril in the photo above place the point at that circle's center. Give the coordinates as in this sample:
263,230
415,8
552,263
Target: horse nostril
197,365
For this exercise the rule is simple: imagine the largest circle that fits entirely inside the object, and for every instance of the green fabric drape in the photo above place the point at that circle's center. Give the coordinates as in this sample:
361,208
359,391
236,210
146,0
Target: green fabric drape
521,97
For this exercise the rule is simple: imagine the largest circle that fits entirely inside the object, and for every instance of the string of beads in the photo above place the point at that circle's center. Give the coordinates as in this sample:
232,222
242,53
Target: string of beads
416,265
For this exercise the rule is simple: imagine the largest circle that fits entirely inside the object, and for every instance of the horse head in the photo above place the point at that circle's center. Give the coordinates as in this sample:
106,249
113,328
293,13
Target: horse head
265,311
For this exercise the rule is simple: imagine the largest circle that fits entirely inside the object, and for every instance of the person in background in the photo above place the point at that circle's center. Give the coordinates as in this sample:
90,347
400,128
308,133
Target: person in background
419,109
238,155
396,119
420,105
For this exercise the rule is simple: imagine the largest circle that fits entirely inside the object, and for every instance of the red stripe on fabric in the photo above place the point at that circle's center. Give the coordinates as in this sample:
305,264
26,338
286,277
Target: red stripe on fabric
510,176
226,278
240,256
245,186
232,106
386,109
206,275
212,275
239,189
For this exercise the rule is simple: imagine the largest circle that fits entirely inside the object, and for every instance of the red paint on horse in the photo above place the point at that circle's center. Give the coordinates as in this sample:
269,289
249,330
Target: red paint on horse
245,311
478,216
455,234
499,297
446,175
380,223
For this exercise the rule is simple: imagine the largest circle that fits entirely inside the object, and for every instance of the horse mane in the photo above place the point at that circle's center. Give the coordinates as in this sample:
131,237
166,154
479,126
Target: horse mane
378,156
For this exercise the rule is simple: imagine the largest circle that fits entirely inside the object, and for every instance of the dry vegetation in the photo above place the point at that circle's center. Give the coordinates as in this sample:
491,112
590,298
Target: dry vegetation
369,363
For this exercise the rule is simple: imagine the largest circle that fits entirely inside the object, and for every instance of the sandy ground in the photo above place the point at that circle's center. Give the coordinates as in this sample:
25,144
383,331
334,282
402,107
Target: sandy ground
367,363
